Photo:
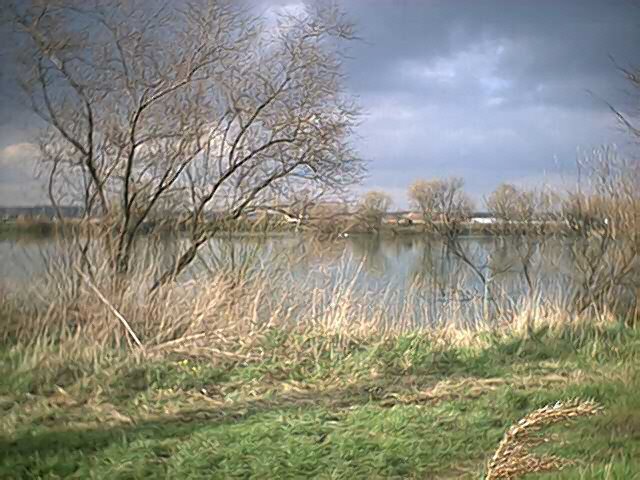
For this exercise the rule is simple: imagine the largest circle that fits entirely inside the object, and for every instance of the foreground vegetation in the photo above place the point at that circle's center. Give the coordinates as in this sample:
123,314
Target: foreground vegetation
118,364
299,405
239,369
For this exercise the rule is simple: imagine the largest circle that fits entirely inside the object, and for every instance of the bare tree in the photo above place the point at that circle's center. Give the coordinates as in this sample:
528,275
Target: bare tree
443,203
197,110
522,215
372,208
446,209
604,215
510,204
331,217
630,121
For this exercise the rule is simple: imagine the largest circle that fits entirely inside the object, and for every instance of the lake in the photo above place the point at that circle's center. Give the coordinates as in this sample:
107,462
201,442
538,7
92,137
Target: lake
409,276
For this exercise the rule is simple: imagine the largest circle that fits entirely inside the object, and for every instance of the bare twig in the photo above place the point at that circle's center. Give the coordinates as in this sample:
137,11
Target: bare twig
113,309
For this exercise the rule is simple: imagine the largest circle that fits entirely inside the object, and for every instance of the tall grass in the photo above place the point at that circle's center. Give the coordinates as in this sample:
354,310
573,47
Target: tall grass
230,298
236,335
226,312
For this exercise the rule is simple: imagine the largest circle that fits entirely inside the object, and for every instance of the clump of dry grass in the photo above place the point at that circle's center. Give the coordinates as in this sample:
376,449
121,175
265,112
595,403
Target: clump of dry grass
229,305
513,458
227,314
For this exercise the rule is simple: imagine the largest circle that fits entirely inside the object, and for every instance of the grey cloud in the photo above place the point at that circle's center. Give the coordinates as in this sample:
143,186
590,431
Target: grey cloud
490,90
18,182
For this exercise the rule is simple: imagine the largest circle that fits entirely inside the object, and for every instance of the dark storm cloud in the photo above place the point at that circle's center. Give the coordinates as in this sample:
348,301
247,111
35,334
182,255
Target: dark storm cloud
534,41
489,90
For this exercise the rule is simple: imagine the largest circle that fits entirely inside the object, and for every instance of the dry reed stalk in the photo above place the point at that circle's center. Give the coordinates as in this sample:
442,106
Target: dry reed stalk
178,342
113,309
513,459
236,307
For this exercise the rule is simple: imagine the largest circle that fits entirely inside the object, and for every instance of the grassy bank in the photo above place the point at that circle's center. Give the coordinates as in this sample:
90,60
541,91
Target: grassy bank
296,406
243,371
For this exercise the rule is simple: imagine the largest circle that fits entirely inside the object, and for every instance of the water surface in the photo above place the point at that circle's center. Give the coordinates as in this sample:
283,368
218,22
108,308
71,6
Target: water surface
411,273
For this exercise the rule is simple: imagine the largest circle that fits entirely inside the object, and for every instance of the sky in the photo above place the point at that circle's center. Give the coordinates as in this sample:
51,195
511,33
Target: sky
488,90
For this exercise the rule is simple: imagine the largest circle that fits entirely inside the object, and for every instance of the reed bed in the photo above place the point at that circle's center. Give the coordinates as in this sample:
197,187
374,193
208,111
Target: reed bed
348,375
291,357
229,310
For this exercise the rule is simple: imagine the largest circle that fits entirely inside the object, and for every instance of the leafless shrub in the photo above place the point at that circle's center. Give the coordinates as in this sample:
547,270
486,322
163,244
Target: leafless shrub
629,120
443,203
603,214
330,217
372,208
525,217
446,210
519,209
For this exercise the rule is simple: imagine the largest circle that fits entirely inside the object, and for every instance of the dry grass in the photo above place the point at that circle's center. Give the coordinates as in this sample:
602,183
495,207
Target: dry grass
230,314
239,358
223,319
513,458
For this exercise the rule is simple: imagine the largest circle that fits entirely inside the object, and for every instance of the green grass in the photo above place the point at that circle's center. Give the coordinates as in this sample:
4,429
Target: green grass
398,408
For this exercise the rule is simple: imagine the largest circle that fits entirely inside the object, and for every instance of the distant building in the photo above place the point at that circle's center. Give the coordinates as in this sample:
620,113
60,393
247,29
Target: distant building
484,218
396,218
416,218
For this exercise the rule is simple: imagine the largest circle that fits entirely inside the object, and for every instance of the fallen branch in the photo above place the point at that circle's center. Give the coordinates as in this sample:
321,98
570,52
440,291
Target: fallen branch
113,309
178,341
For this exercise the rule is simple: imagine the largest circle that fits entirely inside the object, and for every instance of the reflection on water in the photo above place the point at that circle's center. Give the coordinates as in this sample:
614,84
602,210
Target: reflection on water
404,273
